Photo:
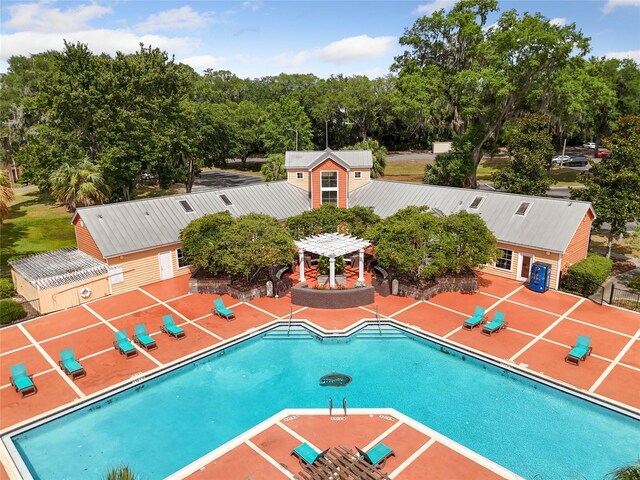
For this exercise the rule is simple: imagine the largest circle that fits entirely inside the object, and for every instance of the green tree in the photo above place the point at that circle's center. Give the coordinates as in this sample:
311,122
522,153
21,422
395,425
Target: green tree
282,119
612,185
248,130
6,195
487,73
379,153
253,245
79,185
328,218
530,148
452,168
273,169
201,241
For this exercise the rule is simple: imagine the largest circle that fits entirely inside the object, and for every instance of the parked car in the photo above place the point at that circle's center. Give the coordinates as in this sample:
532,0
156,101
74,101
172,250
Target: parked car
577,161
590,145
560,159
603,153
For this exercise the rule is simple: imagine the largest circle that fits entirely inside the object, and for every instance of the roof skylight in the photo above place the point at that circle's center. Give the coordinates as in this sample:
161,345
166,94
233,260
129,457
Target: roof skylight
476,202
186,206
522,209
226,200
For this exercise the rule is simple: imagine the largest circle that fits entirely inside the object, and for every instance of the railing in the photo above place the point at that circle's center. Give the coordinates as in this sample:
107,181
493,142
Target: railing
290,318
378,319
624,298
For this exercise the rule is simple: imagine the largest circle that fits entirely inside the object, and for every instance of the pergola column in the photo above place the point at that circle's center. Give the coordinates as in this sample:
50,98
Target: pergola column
332,271
361,265
301,260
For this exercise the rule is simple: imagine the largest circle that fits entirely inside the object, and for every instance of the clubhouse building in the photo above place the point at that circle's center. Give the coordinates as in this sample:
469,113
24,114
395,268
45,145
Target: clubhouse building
122,246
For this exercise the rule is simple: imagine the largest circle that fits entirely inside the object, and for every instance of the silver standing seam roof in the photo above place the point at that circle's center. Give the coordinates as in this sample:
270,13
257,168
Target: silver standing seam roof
309,159
126,227
58,267
548,224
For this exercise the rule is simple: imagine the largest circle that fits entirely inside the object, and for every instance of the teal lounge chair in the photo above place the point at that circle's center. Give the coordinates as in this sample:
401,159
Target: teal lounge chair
123,345
170,328
307,454
478,319
21,381
143,339
580,351
377,456
495,325
70,365
220,310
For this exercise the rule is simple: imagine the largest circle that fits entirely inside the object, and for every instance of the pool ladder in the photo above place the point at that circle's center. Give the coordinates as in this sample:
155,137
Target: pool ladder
378,319
290,318
344,406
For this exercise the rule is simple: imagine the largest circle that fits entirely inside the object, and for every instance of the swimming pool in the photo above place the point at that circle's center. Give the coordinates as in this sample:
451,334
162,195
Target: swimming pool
159,426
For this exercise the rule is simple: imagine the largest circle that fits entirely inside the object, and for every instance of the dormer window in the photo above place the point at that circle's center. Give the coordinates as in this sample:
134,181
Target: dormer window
523,208
186,206
476,203
226,200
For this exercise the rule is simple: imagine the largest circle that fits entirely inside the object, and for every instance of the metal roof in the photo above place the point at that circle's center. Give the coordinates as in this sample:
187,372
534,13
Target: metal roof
548,224
331,244
58,267
125,227
348,158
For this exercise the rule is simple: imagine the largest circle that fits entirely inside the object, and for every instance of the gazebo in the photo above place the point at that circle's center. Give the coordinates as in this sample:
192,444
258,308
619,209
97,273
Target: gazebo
332,245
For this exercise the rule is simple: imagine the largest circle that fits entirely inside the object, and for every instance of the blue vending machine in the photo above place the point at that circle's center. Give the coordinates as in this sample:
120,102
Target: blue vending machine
540,275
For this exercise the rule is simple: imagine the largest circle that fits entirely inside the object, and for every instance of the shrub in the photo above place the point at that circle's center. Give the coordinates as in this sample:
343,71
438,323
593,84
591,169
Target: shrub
10,310
588,274
121,473
6,288
323,265
635,282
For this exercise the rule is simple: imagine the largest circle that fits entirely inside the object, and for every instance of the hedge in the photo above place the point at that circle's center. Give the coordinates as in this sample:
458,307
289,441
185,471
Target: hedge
635,282
6,288
10,310
587,275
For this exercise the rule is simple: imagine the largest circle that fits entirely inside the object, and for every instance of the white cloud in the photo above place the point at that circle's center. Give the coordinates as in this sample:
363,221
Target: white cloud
559,21
289,60
356,48
201,62
38,17
632,54
99,41
253,5
174,19
611,4
434,6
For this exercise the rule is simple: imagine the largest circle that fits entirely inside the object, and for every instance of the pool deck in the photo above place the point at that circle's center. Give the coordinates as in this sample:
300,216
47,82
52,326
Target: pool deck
542,328
264,452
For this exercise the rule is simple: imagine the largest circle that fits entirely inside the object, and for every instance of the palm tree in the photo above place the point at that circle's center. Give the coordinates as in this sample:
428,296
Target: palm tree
6,195
121,473
626,472
79,185
273,168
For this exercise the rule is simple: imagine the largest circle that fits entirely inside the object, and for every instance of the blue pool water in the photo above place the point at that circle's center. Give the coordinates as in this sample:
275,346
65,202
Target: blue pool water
162,425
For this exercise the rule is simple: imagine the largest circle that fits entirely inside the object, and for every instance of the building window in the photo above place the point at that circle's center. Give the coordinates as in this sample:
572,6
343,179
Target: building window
476,203
505,261
329,187
357,175
300,175
522,209
181,260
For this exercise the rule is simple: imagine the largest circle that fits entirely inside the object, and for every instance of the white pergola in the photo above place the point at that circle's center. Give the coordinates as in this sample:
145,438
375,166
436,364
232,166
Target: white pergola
332,245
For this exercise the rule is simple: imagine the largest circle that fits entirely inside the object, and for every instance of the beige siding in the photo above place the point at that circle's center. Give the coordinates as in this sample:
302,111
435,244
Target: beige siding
551,258
300,183
358,182
143,268
67,296
24,288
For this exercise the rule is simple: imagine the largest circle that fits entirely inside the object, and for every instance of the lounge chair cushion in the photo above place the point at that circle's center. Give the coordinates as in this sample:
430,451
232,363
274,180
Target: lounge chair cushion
123,342
306,452
142,335
69,361
170,325
20,378
22,382
379,453
220,308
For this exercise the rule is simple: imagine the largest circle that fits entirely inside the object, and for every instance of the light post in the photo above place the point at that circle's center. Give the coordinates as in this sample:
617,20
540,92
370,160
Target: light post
294,130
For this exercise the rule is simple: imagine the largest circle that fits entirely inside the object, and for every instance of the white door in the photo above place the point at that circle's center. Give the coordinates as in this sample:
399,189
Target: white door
166,265
524,266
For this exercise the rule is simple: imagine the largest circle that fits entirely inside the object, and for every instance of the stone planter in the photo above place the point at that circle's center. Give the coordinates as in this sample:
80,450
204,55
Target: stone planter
341,279
463,282
246,295
202,282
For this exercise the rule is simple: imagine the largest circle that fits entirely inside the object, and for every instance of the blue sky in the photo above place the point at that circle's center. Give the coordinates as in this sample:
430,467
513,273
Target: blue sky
255,38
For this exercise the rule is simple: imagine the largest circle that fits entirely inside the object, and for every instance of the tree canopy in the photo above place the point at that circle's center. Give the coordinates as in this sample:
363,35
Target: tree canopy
356,221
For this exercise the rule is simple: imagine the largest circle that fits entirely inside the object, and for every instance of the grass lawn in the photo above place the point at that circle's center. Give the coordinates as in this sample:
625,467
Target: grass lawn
405,170
629,246
35,225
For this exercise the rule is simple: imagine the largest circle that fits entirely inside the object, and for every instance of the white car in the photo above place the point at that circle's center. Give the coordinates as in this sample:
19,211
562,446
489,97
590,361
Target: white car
560,159
590,145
